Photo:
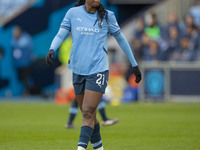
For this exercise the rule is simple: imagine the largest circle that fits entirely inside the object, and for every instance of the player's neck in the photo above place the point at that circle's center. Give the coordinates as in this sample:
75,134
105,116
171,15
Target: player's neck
90,9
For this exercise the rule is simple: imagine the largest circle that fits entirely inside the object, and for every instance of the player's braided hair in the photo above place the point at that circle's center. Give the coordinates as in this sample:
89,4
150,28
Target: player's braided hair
102,12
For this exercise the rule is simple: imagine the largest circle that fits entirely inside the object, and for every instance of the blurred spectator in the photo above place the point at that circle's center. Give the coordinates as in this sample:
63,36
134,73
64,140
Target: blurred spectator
188,21
152,53
195,12
145,40
184,53
144,44
172,22
194,37
136,46
173,42
22,55
153,30
140,28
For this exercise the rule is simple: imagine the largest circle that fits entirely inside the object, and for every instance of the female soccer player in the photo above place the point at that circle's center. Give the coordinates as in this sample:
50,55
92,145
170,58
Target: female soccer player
90,23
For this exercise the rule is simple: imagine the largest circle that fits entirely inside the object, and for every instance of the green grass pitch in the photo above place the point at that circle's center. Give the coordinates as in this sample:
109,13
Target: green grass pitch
142,126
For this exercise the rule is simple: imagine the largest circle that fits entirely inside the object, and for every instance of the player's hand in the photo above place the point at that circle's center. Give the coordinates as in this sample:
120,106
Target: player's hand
138,75
49,57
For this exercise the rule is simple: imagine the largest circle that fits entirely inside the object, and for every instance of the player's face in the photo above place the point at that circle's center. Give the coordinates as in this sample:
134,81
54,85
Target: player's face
93,3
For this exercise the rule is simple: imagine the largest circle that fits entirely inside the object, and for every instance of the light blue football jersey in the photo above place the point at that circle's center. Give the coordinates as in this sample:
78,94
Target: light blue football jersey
89,40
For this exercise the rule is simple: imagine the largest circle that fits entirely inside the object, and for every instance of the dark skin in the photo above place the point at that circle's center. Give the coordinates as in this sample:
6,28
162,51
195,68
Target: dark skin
91,5
89,101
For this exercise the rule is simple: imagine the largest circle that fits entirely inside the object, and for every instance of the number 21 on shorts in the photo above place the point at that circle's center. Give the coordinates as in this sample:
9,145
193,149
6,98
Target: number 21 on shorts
100,79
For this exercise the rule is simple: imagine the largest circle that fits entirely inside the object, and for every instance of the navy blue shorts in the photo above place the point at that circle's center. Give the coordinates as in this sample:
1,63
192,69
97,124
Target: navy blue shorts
95,82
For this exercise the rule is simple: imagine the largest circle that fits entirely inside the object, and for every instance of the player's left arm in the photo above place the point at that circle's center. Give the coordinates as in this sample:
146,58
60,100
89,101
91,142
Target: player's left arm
123,43
114,30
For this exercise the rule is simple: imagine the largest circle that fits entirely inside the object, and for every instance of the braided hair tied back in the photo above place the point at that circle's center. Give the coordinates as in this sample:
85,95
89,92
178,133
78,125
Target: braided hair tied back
79,3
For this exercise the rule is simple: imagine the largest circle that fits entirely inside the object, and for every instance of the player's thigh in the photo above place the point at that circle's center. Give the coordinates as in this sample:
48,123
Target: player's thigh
91,100
95,86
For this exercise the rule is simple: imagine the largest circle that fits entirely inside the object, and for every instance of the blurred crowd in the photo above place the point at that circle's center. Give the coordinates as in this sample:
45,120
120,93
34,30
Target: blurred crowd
174,41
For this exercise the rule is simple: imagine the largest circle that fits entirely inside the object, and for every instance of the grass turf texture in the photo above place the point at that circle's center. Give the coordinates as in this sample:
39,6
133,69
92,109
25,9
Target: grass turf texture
142,126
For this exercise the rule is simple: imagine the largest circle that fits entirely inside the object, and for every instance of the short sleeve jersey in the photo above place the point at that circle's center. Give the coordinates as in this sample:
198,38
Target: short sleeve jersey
89,40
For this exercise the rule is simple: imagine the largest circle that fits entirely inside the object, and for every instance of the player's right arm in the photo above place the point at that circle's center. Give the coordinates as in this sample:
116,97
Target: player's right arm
64,30
59,38
57,41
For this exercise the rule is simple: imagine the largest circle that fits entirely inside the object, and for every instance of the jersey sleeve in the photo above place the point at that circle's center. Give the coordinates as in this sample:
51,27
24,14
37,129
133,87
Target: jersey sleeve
66,23
114,28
